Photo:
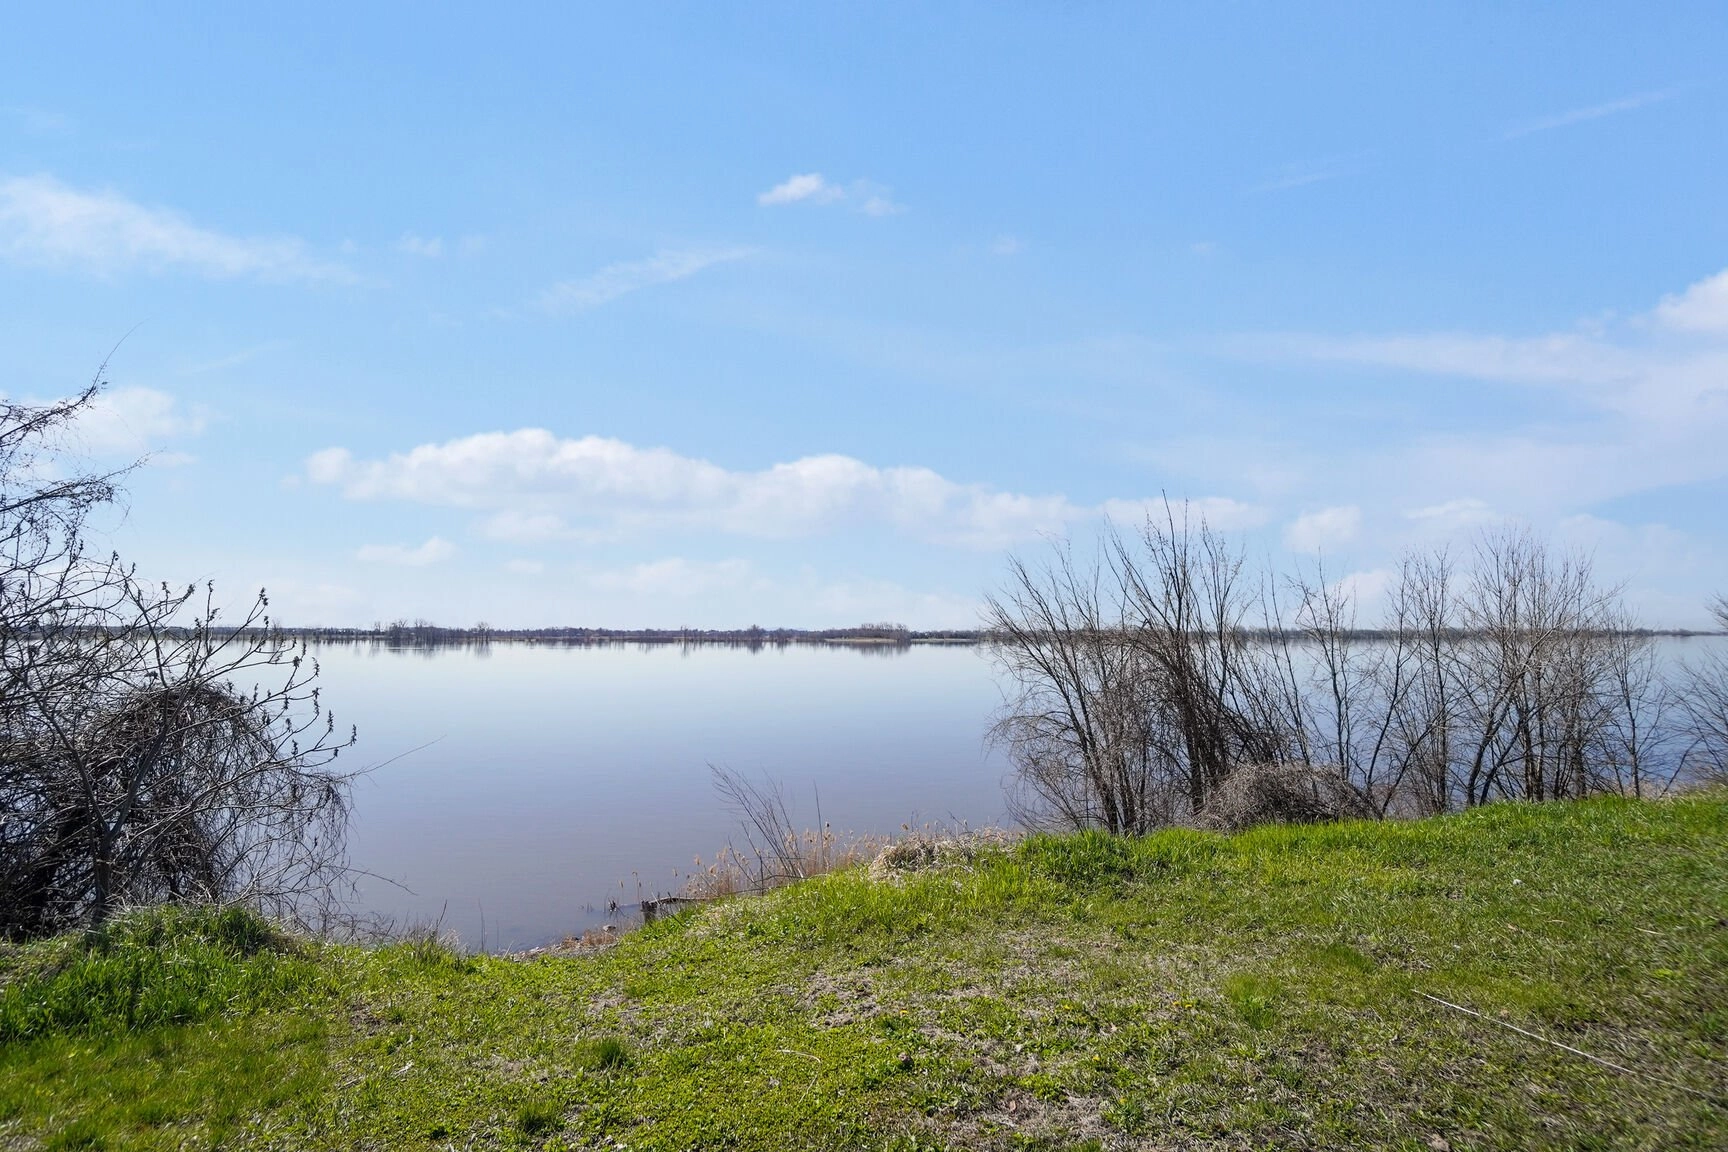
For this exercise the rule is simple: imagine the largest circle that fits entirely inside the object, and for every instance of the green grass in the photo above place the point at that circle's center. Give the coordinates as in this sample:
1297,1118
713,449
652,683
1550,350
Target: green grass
1186,991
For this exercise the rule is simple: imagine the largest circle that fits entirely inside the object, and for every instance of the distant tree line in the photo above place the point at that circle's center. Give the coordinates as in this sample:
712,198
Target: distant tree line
1158,680
425,634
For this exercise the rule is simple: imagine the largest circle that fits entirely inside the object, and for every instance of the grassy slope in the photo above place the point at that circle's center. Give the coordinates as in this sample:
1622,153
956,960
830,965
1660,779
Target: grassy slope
1185,990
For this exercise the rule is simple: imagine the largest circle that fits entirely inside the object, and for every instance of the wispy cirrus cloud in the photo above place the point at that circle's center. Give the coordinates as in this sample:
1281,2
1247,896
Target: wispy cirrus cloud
569,297
1645,407
45,223
530,485
1311,172
1591,112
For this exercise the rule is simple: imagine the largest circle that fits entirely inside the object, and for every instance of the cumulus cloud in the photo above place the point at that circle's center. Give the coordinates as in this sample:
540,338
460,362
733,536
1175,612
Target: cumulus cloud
1314,531
429,553
677,577
430,247
868,197
1219,512
1450,515
1701,308
615,280
811,186
880,206
46,223
132,421
530,485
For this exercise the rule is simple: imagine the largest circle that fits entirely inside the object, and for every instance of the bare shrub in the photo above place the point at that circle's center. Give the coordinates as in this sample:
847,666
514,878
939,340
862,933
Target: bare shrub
1257,794
141,758
776,851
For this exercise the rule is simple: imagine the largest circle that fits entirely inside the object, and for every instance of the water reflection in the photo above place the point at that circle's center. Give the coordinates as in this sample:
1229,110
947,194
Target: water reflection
560,776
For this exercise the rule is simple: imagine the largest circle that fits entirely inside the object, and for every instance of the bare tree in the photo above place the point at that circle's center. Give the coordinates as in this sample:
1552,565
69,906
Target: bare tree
1137,686
1703,704
1188,612
1079,726
147,752
1148,680
1550,665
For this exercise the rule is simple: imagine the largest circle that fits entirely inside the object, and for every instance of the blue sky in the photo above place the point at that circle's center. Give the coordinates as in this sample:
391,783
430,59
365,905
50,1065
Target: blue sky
810,314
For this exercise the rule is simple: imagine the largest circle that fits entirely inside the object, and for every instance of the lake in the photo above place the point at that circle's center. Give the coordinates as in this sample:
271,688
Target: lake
534,783
521,787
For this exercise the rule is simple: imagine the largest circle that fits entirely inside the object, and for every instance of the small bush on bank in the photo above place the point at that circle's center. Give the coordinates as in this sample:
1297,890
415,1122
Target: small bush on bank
1256,794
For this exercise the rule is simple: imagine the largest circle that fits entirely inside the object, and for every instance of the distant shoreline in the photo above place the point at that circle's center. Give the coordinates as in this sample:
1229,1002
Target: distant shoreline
425,635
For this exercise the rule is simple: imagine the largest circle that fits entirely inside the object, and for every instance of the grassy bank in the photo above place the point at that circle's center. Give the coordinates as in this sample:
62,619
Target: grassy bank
1182,991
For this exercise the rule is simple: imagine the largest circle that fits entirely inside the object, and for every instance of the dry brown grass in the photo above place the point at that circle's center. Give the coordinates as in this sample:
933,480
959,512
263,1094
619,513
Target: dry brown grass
798,856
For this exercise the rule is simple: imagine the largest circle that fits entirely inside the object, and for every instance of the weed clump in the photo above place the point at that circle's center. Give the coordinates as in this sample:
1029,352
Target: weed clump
921,851
538,1118
603,1054
1256,794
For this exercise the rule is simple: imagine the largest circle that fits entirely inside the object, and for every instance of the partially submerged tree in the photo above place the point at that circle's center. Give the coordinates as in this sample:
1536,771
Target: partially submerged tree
147,752
1137,688
1149,679
1079,729
1704,705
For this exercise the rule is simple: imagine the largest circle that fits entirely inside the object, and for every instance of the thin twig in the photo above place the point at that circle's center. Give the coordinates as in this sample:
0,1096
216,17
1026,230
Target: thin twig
1621,1068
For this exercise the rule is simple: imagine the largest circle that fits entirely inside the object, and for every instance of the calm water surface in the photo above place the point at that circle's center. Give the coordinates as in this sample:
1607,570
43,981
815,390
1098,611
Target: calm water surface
553,780
557,779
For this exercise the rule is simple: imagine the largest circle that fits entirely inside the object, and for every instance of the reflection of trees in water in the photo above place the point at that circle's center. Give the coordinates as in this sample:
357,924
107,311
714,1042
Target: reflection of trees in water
425,638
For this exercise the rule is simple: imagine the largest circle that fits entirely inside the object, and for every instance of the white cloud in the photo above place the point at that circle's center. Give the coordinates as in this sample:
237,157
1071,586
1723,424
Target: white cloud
525,527
676,577
431,552
881,206
1562,358
1217,512
870,198
1367,590
430,247
524,567
1006,246
1313,172
1592,112
1646,407
132,421
531,485
1701,308
809,186
1452,515
38,121
1314,531
615,280
45,223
